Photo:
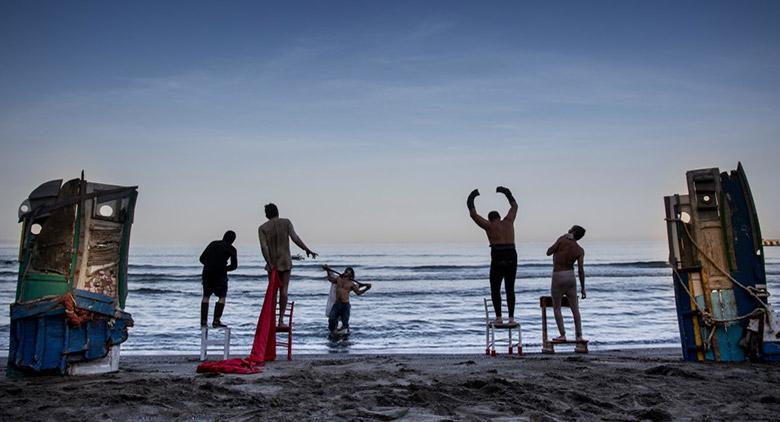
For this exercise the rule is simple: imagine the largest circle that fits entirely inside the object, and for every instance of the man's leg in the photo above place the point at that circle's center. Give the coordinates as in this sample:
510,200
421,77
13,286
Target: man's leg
284,281
557,295
219,307
204,311
495,288
333,318
571,294
509,286
345,316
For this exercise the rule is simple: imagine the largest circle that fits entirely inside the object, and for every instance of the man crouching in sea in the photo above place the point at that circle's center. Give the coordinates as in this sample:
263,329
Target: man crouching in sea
345,283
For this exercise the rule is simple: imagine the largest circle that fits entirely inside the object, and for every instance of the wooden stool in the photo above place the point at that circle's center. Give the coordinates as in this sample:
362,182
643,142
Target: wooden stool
288,312
205,342
548,346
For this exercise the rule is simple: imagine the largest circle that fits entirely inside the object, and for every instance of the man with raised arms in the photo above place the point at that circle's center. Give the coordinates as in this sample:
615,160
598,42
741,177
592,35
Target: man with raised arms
565,252
503,255
275,235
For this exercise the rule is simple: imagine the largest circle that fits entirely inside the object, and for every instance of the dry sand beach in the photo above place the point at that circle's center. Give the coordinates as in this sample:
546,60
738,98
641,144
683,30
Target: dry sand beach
648,384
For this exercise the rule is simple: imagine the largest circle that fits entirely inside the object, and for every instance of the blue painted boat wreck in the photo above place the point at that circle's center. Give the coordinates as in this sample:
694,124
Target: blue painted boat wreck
68,317
717,258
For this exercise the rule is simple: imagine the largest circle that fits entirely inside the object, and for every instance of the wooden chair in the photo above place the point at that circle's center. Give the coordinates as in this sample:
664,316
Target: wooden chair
288,313
548,346
223,343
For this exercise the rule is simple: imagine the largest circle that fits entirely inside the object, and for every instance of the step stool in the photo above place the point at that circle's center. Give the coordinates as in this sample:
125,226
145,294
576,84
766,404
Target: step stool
490,331
224,342
548,346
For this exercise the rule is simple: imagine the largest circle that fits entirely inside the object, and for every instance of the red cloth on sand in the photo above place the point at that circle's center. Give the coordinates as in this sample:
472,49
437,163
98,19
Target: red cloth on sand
264,346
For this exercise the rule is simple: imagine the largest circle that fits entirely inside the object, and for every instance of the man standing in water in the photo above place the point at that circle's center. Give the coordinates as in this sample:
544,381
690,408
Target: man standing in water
565,252
215,281
345,283
503,255
275,235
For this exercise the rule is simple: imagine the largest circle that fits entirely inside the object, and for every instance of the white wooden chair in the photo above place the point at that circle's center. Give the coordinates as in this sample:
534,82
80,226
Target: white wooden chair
491,327
223,343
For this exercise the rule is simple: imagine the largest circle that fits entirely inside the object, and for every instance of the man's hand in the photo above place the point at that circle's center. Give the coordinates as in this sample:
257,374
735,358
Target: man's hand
506,192
470,200
326,267
583,295
268,268
312,254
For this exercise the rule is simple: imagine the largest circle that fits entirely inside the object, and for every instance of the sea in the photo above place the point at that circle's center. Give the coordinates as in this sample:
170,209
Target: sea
426,298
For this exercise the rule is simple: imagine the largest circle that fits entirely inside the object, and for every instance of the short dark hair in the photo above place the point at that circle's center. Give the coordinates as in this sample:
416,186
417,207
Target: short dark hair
577,232
229,236
494,215
271,211
351,270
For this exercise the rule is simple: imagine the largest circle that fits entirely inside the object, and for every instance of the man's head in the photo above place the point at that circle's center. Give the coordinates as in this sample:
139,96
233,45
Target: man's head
271,211
229,237
577,232
349,273
494,216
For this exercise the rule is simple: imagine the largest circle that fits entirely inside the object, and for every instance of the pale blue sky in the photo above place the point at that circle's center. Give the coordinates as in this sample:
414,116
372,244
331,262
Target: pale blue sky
371,121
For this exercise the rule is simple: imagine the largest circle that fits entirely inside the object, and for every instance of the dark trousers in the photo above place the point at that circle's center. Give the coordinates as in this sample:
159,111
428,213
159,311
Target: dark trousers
340,311
503,267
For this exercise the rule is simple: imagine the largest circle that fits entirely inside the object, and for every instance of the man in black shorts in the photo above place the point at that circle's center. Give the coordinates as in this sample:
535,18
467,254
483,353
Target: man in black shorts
503,256
215,281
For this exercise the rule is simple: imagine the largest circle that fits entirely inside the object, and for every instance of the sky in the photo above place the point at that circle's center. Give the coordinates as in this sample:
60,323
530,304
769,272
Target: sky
368,121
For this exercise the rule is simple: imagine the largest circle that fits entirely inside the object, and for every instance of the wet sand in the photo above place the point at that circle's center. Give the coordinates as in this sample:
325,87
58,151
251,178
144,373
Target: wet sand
647,384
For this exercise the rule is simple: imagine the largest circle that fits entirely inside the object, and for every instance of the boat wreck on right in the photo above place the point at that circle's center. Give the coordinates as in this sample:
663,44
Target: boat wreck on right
717,258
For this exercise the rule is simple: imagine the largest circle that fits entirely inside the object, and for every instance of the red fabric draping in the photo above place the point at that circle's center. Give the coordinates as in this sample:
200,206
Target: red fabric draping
264,346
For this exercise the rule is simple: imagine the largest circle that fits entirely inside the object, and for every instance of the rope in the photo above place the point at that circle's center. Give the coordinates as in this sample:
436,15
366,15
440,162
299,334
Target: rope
750,290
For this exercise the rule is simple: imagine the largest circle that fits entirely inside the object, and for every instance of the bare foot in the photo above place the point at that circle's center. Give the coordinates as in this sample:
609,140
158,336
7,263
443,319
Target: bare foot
511,320
498,320
581,339
559,338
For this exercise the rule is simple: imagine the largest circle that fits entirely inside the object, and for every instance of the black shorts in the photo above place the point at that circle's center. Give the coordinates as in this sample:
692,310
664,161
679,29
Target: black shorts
217,286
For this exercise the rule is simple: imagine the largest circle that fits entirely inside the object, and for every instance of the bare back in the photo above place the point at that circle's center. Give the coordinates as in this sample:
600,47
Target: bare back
343,287
565,253
499,232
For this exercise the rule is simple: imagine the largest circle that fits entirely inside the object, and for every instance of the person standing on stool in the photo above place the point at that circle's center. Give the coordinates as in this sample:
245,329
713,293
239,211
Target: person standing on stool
275,235
565,252
503,255
215,280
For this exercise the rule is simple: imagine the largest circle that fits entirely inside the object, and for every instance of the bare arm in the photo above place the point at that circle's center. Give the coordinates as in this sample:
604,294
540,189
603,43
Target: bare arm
581,271
297,240
331,275
512,203
481,222
202,258
359,290
264,246
552,249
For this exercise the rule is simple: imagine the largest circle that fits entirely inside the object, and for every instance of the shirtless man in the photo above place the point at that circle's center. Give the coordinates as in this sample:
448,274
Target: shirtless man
345,283
565,252
503,255
275,235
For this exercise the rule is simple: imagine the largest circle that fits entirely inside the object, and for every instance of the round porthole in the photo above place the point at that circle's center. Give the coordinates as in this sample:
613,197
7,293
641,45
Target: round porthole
106,211
685,217
36,228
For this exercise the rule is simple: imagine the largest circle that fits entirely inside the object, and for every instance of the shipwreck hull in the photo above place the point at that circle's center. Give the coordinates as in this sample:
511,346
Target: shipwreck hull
69,316
716,252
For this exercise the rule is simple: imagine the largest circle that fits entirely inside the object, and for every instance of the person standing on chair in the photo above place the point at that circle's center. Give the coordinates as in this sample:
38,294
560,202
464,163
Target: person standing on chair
565,252
275,235
215,280
503,255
